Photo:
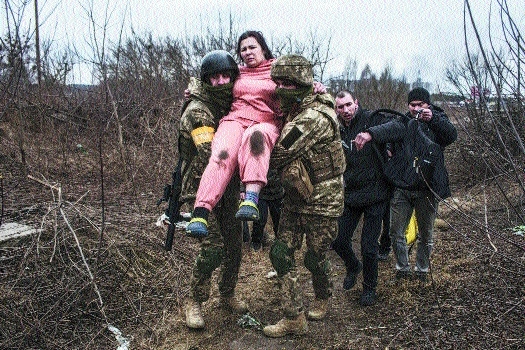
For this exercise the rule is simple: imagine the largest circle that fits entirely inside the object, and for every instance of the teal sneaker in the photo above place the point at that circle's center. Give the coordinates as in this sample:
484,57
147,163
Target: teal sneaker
248,211
198,227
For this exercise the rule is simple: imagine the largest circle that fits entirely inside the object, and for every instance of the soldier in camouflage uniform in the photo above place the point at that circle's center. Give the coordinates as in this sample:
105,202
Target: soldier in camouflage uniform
311,158
210,99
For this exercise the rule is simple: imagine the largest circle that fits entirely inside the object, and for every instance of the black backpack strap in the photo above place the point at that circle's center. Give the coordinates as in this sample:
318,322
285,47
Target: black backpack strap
374,145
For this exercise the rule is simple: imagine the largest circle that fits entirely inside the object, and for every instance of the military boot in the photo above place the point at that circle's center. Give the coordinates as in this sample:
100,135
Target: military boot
318,309
194,315
297,325
233,304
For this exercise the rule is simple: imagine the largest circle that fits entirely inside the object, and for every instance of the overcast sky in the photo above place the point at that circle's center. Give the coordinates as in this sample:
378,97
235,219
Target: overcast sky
409,35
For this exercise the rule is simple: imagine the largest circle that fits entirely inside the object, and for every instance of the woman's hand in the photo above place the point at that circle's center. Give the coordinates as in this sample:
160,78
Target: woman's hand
319,88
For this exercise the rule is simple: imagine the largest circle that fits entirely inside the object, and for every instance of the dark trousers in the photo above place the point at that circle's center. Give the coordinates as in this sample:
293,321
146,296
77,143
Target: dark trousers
265,206
385,243
372,221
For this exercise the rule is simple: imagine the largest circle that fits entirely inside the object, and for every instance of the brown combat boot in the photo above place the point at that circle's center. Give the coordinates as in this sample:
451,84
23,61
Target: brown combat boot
318,309
233,304
194,315
297,325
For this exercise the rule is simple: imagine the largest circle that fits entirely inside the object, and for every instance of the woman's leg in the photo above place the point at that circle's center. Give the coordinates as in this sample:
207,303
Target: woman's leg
222,164
254,159
217,175
254,153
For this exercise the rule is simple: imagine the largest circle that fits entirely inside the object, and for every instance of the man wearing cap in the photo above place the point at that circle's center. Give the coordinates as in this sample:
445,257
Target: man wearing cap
210,99
310,156
436,125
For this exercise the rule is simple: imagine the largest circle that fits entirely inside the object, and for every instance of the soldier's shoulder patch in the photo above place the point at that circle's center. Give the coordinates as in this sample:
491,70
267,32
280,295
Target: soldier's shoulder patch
291,137
202,135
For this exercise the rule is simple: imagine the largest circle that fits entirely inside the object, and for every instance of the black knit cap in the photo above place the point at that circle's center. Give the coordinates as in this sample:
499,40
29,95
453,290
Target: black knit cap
419,94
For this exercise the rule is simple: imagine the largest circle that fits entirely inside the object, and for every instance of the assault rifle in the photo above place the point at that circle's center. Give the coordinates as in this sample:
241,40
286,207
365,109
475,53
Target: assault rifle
172,195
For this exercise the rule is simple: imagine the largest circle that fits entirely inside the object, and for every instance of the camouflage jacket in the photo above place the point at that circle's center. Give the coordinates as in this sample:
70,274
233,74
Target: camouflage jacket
313,136
198,123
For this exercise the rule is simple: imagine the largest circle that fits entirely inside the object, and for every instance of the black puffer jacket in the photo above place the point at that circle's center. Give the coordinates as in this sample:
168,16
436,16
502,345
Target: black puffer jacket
363,177
440,130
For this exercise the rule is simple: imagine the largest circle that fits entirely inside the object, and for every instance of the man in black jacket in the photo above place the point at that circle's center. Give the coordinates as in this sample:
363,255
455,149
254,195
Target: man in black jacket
435,124
366,189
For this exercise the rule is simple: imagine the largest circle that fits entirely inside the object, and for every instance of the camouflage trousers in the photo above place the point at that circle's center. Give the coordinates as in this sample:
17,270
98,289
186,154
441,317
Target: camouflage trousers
319,232
222,248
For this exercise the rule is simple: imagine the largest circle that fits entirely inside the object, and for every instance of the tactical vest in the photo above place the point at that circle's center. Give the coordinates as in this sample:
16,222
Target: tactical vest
329,161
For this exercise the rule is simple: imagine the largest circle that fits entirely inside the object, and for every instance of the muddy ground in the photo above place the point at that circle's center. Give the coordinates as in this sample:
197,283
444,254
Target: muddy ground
62,288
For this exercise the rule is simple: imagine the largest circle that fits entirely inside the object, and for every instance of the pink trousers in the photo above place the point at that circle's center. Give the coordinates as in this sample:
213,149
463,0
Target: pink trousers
237,144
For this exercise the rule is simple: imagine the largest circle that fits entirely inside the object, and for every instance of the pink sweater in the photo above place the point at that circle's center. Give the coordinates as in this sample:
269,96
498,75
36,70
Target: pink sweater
254,95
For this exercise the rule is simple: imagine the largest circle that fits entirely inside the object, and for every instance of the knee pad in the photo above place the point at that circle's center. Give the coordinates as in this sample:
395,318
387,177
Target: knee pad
316,264
281,257
208,260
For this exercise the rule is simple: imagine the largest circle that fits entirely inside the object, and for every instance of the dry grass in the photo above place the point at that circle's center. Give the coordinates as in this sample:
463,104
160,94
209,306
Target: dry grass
49,301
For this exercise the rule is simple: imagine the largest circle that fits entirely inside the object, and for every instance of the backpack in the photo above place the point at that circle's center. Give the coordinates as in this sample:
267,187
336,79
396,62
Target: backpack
414,159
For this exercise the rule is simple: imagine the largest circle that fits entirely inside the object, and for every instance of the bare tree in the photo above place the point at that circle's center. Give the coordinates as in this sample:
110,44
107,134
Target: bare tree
491,80
316,48
15,72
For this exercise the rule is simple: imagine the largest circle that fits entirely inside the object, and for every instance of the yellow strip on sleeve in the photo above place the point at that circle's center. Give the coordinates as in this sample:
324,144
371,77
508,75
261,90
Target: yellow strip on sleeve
202,135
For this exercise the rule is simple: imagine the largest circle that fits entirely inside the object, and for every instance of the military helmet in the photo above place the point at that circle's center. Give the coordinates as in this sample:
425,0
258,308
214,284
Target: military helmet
218,61
293,67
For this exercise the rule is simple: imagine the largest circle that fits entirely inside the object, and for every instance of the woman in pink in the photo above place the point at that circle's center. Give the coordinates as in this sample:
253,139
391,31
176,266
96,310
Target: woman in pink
245,137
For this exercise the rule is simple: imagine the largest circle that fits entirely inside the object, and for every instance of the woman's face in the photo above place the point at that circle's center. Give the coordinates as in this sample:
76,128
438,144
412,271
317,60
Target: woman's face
251,52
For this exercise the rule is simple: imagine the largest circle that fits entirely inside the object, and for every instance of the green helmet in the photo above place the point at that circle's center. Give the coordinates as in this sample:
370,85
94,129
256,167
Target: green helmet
218,61
293,67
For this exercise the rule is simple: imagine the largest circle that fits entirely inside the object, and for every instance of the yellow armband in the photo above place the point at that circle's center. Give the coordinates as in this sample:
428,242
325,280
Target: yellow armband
202,135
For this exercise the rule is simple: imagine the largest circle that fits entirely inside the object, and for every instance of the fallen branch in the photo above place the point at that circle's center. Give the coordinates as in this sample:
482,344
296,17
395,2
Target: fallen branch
487,221
123,341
